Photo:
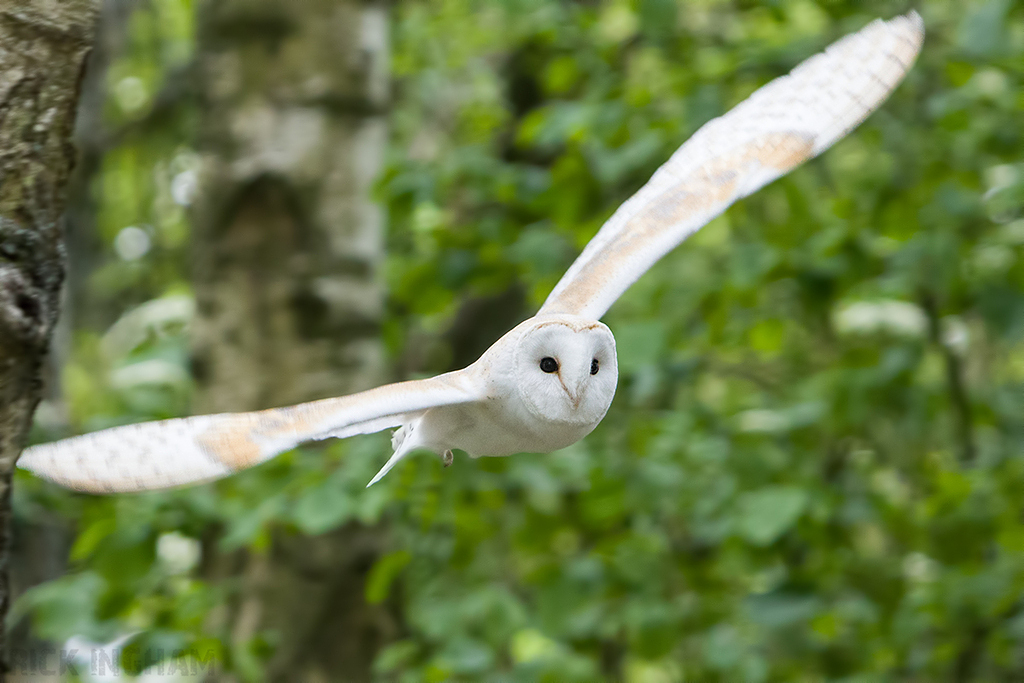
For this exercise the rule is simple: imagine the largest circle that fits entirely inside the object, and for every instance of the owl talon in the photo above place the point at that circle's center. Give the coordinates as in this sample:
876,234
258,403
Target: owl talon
447,458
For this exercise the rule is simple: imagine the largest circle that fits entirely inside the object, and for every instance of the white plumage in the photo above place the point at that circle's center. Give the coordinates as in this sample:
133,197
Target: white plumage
548,382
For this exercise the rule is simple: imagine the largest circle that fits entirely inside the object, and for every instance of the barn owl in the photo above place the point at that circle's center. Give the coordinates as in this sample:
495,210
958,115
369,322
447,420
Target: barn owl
549,381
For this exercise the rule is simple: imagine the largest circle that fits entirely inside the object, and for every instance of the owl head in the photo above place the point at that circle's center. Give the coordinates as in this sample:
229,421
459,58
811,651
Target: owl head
566,370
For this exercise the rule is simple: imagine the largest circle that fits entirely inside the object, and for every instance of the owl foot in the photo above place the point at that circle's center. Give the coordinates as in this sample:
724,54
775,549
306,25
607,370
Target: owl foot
399,435
448,458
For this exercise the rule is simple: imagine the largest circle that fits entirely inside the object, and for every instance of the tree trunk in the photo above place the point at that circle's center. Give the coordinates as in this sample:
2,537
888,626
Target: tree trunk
43,46
287,251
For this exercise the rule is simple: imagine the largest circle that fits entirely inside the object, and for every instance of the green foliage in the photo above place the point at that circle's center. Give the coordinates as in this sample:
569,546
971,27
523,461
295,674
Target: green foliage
784,487
812,469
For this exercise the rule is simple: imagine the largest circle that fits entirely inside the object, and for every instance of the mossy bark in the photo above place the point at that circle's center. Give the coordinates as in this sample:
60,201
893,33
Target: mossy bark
43,47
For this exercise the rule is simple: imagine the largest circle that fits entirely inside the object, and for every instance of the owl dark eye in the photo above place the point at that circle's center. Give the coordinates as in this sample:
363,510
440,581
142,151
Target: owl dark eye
594,367
548,364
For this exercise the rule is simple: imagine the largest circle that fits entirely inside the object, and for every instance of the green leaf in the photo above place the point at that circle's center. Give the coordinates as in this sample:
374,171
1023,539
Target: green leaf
383,574
766,514
324,508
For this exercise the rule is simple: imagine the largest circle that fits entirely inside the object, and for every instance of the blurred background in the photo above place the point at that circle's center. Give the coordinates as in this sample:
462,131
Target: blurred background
813,468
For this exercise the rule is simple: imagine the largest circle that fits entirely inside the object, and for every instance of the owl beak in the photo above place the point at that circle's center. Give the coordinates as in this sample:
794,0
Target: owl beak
573,389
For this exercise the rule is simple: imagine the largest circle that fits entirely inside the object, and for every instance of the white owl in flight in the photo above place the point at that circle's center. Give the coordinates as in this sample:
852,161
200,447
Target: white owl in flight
548,382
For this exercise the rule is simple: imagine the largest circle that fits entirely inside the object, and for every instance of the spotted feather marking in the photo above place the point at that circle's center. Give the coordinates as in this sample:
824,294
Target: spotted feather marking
187,450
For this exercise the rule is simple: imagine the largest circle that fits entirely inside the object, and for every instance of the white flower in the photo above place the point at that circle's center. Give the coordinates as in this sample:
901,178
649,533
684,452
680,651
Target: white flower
955,335
152,372
183,187
132,243
167,315
900,318
762,421
919,568
130,93
177,552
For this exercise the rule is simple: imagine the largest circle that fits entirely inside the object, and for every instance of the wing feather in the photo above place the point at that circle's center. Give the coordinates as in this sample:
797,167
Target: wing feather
169,453
786,122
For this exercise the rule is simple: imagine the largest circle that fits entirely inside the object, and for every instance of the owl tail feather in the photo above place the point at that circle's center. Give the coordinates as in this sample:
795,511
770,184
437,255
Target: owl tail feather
387,466
398,455
402,444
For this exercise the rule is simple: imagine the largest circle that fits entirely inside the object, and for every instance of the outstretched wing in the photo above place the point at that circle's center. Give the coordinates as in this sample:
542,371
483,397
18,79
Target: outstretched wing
161,454
790,120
